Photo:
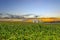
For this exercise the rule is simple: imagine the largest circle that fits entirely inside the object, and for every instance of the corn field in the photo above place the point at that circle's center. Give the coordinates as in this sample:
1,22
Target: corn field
29,31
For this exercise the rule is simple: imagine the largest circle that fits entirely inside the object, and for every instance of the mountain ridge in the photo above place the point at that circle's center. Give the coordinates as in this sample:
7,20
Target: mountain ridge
7,15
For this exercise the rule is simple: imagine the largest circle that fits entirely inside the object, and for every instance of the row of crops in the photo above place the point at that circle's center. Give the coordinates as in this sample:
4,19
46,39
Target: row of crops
29,31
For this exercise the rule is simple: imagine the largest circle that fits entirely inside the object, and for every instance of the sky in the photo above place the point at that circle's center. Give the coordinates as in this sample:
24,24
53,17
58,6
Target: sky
43,8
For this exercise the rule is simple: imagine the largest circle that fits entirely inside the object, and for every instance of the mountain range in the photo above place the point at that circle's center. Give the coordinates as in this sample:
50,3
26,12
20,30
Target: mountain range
28,18
6,15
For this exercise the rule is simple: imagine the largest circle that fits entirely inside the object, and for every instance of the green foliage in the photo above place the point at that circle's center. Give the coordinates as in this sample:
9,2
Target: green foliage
29,31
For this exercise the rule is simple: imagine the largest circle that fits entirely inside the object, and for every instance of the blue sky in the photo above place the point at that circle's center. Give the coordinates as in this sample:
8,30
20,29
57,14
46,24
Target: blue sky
44,8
